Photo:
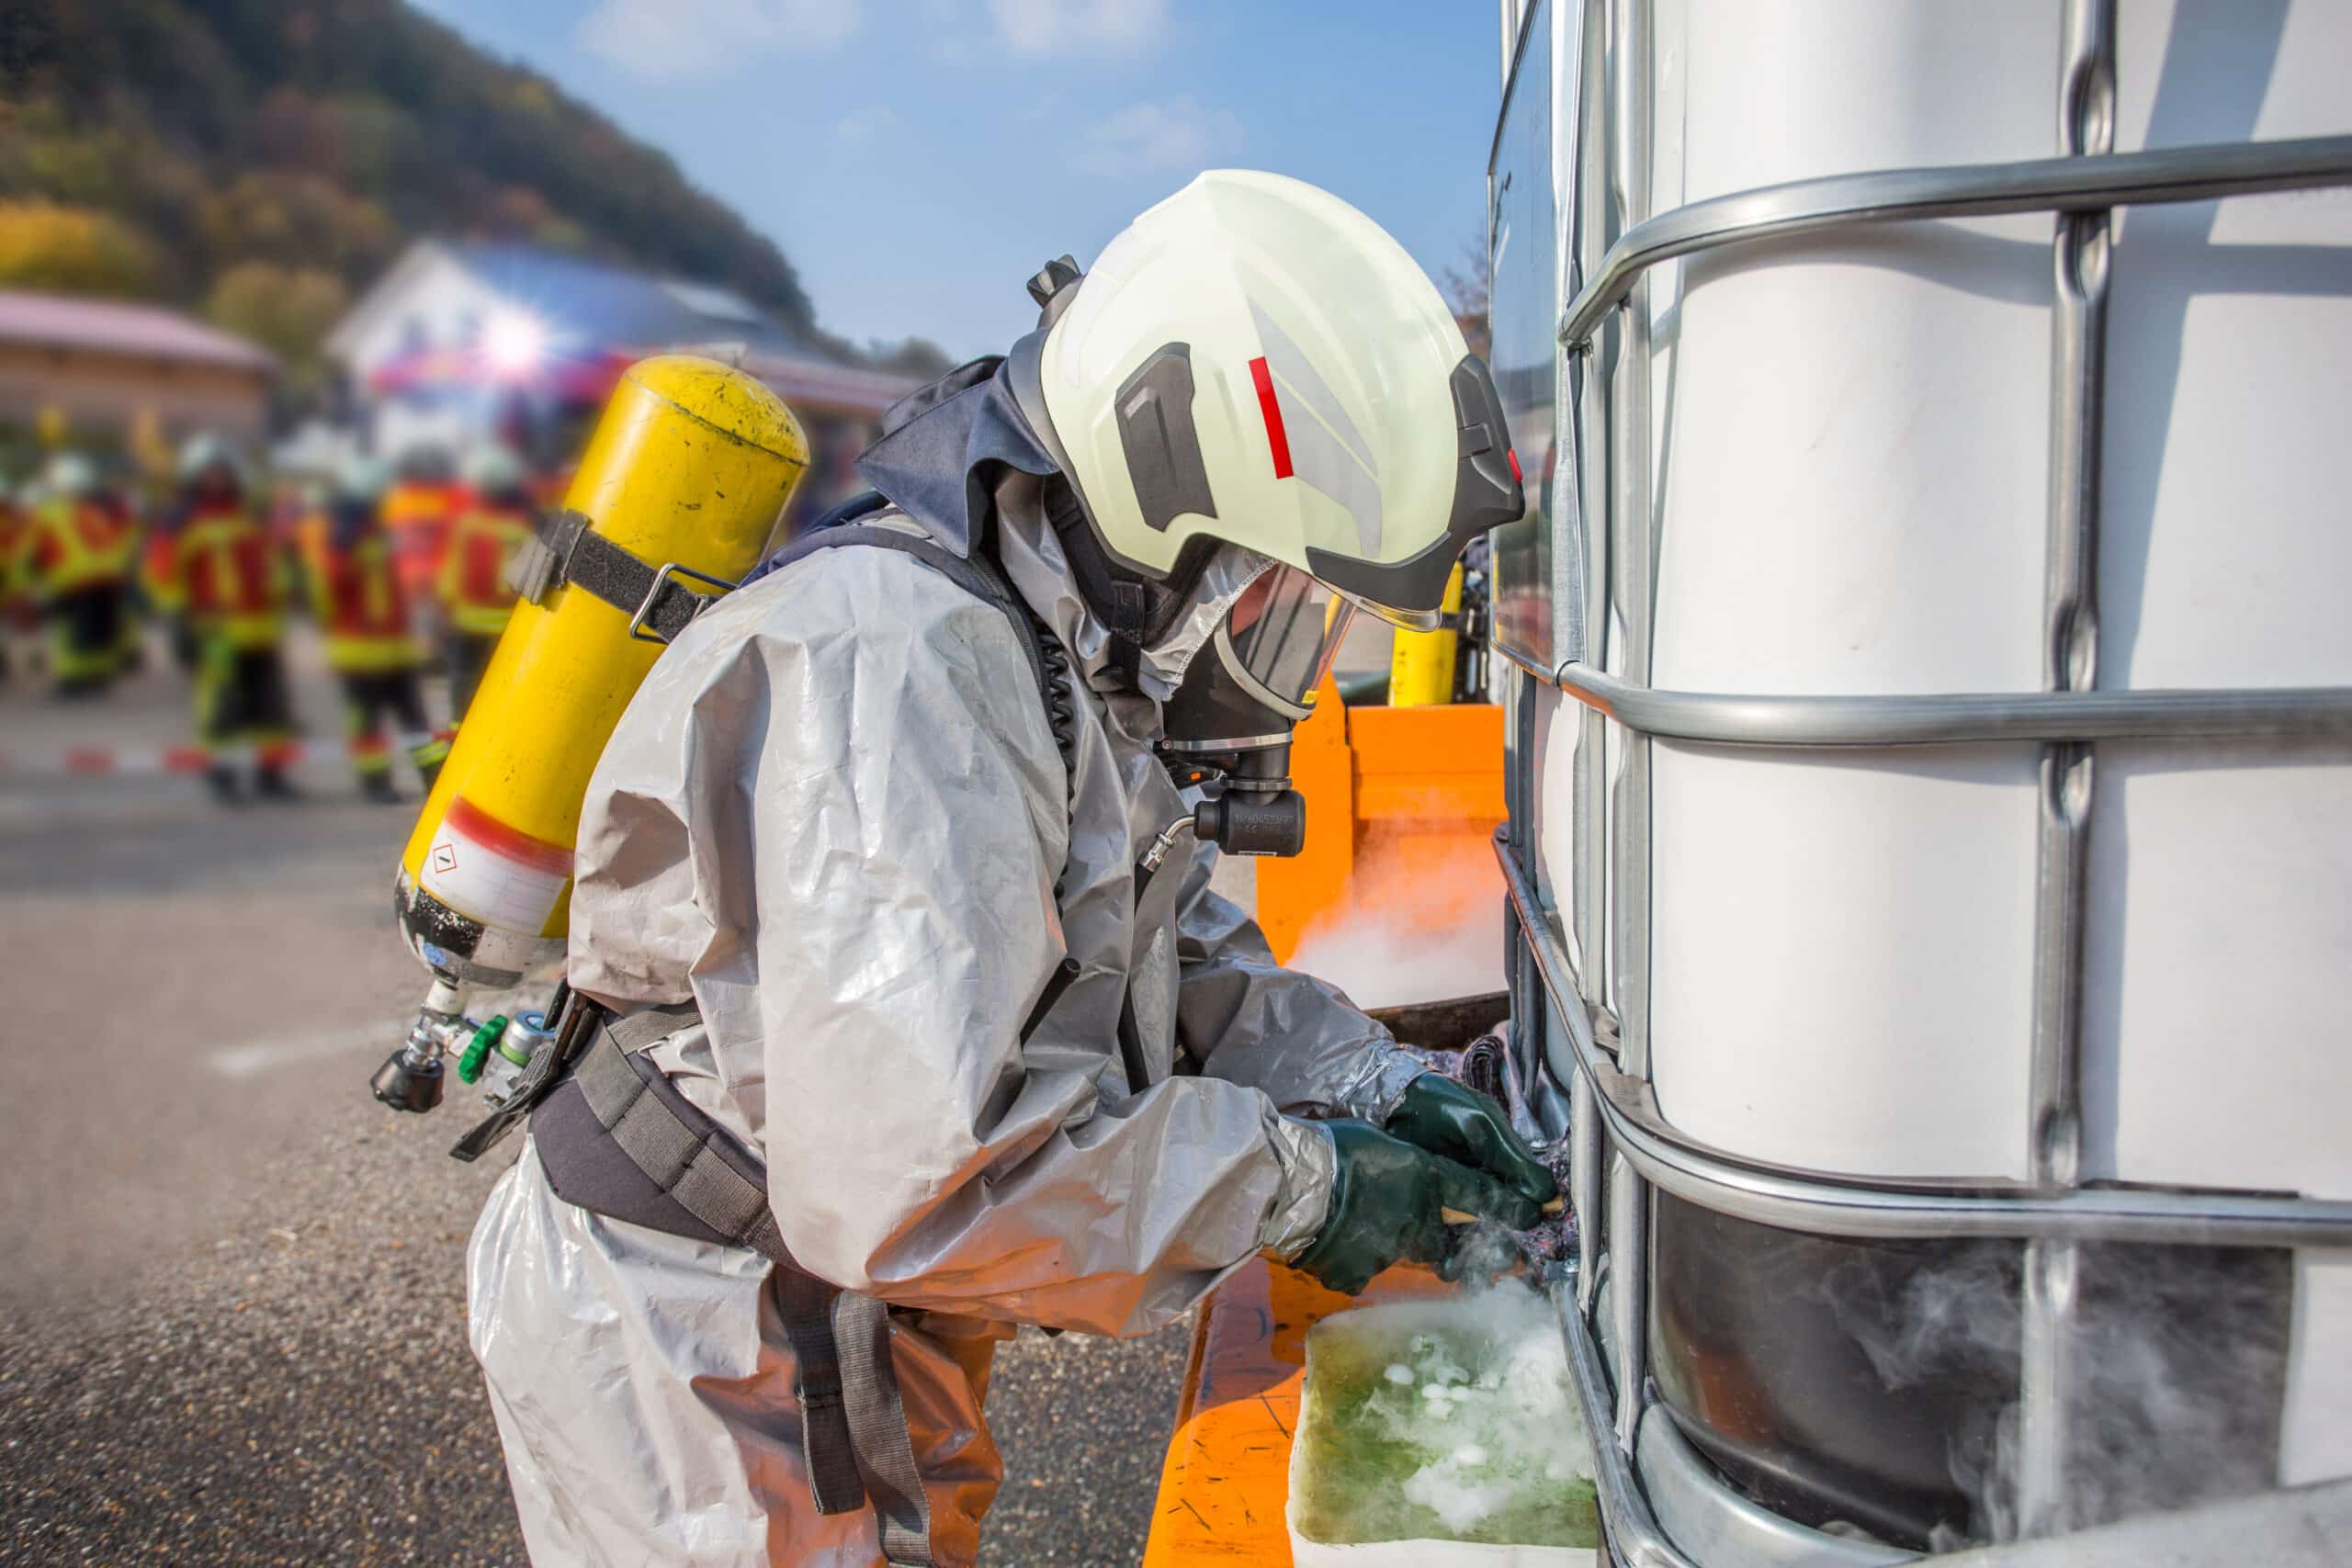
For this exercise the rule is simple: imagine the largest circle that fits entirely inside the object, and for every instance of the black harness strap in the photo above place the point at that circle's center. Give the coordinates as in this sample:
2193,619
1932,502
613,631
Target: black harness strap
618,1139
975,575
878,1418
567,550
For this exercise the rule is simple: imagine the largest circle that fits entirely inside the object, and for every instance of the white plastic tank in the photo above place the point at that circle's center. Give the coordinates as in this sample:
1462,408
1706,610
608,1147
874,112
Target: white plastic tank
1851,436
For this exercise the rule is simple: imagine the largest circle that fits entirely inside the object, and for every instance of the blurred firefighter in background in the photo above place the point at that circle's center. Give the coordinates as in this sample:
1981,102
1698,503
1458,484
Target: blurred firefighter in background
231,582
12,521
418,510
495,520
159,584
355,589
74,558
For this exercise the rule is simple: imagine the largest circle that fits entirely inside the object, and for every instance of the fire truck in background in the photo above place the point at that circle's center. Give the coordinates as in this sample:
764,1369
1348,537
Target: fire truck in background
1929,695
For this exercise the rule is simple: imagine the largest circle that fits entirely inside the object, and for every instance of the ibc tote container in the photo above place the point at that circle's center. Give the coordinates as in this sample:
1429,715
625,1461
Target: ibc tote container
1931,748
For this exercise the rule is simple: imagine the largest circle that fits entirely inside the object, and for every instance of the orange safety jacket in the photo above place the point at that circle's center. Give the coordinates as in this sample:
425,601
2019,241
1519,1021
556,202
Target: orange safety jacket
473,573
417,514
356,588
12,534
159,567
229,576
71,545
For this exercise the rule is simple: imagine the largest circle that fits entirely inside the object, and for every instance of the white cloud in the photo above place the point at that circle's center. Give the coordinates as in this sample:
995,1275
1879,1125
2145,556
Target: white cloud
864,125
1180,133
683,39
710,38
1076,27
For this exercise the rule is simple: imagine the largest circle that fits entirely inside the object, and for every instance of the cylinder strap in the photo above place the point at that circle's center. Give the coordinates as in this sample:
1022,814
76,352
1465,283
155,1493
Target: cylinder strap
568,551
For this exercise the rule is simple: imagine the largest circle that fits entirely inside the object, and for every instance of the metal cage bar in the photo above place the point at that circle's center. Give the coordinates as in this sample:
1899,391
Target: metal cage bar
1630,1528
1632,547
2093,183
2051,1371
1953,718
1830,1203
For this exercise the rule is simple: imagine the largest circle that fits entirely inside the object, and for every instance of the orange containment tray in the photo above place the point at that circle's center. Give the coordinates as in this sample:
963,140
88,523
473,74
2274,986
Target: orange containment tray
1227,1478
1402,804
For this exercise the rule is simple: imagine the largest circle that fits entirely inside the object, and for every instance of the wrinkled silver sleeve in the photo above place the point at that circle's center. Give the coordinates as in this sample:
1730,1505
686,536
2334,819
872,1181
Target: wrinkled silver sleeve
1247,1020
1310,1170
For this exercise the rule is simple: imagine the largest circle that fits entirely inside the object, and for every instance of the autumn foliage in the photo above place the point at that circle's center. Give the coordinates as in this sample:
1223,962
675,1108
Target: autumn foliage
260,161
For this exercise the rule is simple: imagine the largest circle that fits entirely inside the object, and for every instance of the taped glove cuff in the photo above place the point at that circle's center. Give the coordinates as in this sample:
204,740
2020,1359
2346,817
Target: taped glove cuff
1310,1167
1377,1081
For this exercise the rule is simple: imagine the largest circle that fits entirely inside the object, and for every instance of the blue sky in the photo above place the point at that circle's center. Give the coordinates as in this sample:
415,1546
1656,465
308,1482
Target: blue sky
917,159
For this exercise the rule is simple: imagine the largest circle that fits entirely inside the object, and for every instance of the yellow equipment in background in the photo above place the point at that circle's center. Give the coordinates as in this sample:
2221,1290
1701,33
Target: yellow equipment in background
679,494
1420,664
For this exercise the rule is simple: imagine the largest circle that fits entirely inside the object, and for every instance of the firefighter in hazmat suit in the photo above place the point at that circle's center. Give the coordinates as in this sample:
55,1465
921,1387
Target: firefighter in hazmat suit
911,919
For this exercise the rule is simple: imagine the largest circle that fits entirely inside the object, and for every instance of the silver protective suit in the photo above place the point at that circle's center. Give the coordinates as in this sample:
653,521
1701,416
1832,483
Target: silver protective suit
836,818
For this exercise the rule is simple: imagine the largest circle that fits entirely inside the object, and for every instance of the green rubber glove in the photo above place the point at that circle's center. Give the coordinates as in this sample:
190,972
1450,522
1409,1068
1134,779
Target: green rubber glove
1387,1198
1462,1125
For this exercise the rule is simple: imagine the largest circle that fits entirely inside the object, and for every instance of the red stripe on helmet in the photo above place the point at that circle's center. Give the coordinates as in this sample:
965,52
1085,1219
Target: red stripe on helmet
1276,436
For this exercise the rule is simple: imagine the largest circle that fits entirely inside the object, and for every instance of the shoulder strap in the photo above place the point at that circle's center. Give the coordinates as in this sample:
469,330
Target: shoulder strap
977,576
982,577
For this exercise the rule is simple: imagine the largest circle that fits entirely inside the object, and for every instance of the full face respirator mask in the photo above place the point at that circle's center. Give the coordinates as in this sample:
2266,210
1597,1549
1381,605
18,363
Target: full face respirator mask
1227,727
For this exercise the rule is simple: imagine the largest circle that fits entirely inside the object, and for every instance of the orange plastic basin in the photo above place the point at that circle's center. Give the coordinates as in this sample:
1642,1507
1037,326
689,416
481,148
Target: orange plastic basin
1227,1478
1402,804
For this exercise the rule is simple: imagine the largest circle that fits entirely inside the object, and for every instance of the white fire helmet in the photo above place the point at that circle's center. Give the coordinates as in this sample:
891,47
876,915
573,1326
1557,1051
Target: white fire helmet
1254,361
71,477
204,450
360,477
493,470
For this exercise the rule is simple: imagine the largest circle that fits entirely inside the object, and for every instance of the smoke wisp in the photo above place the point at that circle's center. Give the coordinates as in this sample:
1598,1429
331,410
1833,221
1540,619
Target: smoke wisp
2176,1360
1388,954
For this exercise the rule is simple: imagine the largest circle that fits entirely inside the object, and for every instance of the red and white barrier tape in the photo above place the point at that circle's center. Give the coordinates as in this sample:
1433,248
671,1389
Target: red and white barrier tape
132,761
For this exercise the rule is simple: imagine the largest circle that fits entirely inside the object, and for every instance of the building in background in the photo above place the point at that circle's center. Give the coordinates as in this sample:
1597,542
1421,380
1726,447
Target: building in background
127,375
461,343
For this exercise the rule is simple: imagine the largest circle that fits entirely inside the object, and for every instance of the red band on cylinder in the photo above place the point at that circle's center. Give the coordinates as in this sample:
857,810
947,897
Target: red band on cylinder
471,820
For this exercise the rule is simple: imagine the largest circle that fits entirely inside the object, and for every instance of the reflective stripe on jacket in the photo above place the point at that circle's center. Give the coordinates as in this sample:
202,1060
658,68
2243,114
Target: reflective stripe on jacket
356,590
417,514
230,577
72,545
473,571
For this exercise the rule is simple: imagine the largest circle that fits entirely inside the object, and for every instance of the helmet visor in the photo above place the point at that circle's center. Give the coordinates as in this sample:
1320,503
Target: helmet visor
1403,620
1281,636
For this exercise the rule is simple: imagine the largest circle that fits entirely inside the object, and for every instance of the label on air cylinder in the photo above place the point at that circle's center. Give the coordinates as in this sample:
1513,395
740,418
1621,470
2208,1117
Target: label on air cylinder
479,866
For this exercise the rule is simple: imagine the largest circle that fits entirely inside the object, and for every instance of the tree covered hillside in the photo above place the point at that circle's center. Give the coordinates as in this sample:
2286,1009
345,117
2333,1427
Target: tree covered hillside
259,160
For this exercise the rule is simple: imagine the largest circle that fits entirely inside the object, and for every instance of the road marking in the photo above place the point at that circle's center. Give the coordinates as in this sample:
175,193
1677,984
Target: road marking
244,1061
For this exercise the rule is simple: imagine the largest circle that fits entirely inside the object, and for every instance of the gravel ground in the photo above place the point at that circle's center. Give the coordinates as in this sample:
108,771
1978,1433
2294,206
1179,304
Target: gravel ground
232,1325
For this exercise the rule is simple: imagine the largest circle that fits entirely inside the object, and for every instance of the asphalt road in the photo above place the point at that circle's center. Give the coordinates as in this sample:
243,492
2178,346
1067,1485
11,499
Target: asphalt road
234,1302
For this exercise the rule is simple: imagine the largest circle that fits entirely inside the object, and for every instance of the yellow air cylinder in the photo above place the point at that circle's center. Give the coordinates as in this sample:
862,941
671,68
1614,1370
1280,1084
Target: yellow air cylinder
1420,664
692,463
